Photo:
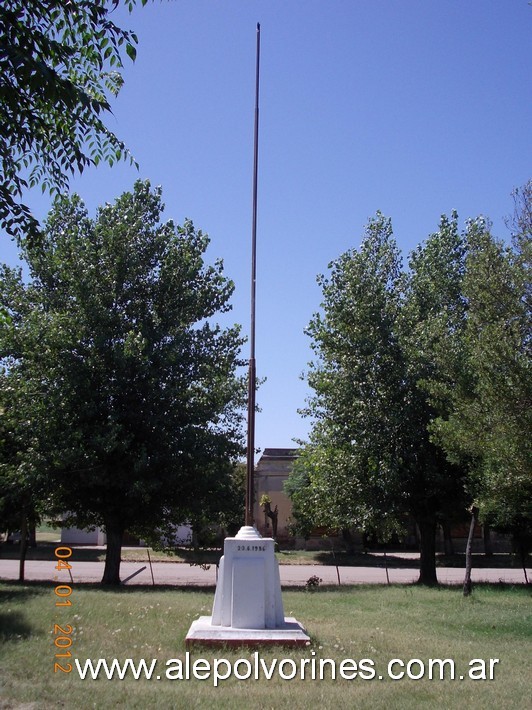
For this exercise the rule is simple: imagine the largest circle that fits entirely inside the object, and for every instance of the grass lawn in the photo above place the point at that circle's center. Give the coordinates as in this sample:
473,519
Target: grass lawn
377,623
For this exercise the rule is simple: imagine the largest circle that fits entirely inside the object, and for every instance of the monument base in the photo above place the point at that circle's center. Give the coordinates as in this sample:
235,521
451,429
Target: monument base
202,632
248,607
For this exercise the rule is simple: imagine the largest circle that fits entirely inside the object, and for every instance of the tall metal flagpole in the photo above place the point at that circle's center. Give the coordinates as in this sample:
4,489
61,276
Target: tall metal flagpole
248,605
250,486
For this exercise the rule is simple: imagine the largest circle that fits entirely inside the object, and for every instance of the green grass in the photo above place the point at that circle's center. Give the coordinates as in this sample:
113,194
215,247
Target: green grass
378,623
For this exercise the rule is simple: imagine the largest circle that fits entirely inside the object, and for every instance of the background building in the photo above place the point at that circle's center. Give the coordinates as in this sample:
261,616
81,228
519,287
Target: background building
270,474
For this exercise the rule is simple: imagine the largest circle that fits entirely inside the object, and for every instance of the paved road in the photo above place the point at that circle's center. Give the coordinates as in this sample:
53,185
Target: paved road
184,574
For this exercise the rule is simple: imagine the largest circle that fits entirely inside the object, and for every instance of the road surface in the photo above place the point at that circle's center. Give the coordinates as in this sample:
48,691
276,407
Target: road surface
183,574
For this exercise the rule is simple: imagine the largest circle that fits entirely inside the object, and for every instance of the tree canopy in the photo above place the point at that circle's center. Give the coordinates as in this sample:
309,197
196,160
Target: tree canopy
488,425
128,386
370,461
357,379
59,68
421,385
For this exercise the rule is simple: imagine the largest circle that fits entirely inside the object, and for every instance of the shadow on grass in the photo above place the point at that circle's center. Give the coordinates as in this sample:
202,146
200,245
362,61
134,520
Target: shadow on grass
395,560
13,624
147,588
344,559
211,556
45,552
202,556
12,591
302,589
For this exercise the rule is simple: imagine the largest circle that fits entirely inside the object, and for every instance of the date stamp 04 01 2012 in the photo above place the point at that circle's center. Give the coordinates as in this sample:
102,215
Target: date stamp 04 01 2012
63,632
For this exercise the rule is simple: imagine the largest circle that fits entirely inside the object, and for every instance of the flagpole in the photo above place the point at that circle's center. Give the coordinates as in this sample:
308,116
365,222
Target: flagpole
250,464
248,605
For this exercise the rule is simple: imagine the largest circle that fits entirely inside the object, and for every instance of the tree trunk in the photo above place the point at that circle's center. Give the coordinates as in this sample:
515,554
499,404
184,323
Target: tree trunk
521,548
488,549
32,535
274,514
469,553
115,535
348,541
195,537
448,546
427,548
23,546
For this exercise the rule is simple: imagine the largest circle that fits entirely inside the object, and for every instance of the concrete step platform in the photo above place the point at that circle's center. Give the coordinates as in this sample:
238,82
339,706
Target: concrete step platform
202,632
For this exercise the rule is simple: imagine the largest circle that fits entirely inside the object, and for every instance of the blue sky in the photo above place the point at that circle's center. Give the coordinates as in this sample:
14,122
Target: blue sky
411,107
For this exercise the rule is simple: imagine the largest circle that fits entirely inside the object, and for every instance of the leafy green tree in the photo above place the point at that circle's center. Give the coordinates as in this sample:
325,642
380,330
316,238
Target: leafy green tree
370,462
489,425
59,68
223,507
231,501
433,314
22,493
353,458
297,488
135,402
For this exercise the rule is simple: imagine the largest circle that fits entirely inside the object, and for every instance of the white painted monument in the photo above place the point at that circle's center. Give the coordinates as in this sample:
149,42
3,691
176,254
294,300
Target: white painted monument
248,607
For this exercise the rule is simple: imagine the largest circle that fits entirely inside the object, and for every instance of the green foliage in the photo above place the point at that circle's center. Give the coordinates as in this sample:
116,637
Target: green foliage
22,490
490,421
127,385
59,66
422,384
354,455
229,504
371,462
370,459
431,325
18,498
296,487
222,507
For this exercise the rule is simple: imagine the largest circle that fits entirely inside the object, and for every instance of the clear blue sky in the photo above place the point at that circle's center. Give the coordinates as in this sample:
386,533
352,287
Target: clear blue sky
411,107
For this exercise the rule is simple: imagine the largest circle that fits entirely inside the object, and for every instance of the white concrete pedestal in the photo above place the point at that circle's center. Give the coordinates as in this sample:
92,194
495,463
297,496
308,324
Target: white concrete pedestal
248,607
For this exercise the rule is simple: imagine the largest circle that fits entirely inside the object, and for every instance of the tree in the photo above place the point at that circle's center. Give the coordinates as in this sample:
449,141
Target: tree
297,488
520,222
352,455
230,501
266,505
489,425
22,495
223,508
353,458
370,461
59,68
136,404
433,314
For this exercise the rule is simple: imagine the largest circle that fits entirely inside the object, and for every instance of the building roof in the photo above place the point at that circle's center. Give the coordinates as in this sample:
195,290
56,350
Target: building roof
280,454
